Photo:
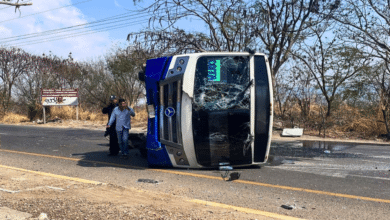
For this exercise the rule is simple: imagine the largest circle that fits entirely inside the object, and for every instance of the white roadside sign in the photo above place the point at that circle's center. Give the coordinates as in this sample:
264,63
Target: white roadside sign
56,101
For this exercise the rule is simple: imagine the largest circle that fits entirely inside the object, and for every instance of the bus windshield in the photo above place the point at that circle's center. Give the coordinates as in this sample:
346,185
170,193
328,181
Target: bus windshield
221,110
222,82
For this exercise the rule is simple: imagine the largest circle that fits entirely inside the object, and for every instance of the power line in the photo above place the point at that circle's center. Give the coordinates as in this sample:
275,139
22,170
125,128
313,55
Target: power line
60,30
67,33
72,28
80,33
6,7
45,11
68,30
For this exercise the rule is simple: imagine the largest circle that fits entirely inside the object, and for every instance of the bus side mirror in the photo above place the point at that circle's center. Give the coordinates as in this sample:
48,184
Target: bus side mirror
141,75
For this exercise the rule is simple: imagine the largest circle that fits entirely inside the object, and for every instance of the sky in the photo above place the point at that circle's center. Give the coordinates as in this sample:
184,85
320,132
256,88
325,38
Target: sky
26,30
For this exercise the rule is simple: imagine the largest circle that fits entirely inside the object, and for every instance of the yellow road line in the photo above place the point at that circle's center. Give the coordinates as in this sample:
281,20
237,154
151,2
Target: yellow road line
314,191
278,186
69,158
214,178
214,204
241,209
53,175
187,174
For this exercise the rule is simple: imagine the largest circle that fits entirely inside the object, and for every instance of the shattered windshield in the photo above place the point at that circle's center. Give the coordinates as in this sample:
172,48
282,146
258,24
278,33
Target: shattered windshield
222,82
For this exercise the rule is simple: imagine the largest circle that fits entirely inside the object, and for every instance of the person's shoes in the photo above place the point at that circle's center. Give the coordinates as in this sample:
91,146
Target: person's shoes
111,155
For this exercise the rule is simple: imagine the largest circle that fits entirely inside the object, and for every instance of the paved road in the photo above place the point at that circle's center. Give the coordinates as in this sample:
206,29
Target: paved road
320,180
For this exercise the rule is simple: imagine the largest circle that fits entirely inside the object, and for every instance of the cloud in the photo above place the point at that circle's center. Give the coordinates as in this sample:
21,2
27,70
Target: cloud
117,4
81,46
5,32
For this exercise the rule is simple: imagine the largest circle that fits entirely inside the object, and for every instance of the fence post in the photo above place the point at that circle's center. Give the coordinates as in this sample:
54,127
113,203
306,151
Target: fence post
44,115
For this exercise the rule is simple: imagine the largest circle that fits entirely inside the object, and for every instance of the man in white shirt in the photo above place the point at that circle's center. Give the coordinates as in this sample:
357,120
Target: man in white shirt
121,115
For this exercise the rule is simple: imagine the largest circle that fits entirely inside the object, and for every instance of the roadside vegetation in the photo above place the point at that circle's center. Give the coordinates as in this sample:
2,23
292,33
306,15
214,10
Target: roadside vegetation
67,115
330,63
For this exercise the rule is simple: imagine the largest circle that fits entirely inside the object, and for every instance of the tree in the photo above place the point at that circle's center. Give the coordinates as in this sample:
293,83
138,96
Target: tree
224,20
378,75
303,89
331,63
280,25
124,66
97,84
367,22
14,63
284,86
274,25
17,4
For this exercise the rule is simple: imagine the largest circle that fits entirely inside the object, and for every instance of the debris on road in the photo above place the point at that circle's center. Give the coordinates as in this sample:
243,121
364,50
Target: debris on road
234,176
43,216
147,181
288,207
287,162
292,132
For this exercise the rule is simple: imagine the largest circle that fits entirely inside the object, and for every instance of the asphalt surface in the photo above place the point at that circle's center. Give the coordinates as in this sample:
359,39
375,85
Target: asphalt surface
319,180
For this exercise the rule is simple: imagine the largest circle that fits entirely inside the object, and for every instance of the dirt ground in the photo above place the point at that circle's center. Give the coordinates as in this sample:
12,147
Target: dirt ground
66,199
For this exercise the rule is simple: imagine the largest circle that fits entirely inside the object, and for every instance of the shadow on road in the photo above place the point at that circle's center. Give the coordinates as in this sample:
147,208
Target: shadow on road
100,159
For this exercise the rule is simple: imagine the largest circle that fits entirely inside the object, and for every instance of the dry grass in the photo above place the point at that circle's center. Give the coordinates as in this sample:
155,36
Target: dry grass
67,114
345,122
14,118
141,117
355,121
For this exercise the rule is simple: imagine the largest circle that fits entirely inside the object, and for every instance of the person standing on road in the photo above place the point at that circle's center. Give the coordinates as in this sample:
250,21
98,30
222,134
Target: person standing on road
114,146
121,115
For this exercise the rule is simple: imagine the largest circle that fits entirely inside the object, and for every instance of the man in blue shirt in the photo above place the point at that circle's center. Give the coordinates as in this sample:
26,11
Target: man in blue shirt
121,115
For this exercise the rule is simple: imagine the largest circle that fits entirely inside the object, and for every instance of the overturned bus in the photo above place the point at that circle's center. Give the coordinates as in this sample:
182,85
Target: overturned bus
208,109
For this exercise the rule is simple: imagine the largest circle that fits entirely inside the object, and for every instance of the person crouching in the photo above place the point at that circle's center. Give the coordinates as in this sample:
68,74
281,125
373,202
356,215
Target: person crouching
121,115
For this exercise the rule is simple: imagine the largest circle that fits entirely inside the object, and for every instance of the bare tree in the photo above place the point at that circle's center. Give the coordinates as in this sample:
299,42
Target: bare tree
284,86
124,66
97,84
14,63
225,21
17,4
367,22
378,75
331,63
273,25
303,89
280,25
